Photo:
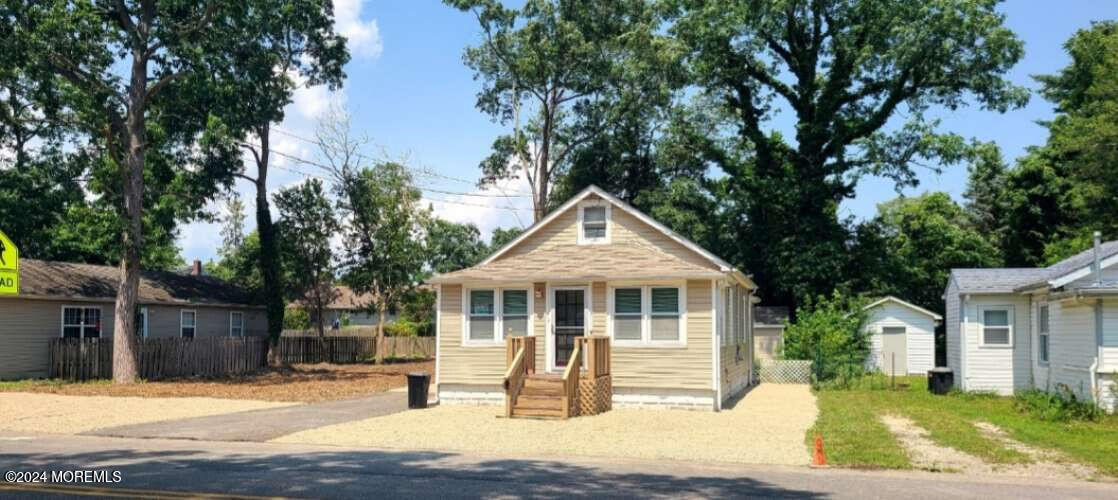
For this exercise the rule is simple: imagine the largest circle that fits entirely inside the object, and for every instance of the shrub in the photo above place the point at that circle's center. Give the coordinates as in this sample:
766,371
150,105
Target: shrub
296,318
829,332
1060,406
401,328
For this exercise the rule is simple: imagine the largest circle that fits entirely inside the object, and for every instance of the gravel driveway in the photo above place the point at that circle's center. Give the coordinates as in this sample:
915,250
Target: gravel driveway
24,412
767,426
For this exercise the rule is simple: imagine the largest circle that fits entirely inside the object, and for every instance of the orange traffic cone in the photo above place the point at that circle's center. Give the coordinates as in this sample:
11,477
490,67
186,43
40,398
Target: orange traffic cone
819,459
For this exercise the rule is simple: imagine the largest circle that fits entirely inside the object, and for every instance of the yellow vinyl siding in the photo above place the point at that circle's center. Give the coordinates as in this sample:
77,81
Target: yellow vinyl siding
686,367
625,229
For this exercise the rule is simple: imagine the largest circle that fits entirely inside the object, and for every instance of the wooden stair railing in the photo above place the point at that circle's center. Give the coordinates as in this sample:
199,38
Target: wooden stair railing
570,380
521,358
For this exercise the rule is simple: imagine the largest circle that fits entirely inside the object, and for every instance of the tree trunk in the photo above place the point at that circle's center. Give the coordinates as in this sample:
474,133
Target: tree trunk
381,310
125,366
269,253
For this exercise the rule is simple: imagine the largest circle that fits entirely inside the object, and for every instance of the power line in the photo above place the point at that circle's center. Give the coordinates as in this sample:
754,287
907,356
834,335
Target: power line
424,171
428,198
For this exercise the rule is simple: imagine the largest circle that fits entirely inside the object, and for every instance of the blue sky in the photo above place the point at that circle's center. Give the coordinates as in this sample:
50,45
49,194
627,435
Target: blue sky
409,91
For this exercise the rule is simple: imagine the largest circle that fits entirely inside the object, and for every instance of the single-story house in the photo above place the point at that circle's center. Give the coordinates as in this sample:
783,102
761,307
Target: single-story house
768,331
64,300
1052,328
348,308
678,317
902,336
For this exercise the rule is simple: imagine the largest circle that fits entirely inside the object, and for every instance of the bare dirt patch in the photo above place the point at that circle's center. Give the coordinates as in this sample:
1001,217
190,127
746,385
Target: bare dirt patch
767,426
50,413
298,383
927,454
1048,463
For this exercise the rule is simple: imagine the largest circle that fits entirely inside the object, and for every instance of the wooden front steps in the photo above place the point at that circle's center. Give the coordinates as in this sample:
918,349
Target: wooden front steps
541,396
577,391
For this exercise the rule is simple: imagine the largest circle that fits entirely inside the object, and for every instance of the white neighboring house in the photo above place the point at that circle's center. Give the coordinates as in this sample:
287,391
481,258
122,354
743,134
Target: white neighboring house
902,336
1049,328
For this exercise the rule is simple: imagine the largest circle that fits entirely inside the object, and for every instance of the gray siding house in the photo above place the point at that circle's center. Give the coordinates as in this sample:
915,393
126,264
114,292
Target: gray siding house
64,300
1053,328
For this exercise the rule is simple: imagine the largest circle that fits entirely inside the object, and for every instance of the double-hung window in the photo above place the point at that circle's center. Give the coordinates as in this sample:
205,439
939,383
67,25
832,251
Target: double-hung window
188,324
727,314
494,314
81,322
236,324
593,223
142,323
647,315
1042,336
996,327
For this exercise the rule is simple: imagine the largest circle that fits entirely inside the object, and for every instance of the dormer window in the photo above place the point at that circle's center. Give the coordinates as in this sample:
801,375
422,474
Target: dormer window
593,223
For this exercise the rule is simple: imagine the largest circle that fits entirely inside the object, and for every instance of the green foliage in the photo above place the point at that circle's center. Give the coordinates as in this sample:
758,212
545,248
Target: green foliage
828,331
296,318
502,236
452,246
419,309
844,84
402,328
914,243
307,224
567,68
1060,406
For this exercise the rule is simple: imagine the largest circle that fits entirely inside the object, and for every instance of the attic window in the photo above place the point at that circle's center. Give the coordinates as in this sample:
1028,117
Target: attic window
593,224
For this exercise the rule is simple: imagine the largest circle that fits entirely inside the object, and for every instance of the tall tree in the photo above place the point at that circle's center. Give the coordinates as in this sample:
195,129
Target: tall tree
382,229
308,224
843,69
554,63
287,41
121,63
985,193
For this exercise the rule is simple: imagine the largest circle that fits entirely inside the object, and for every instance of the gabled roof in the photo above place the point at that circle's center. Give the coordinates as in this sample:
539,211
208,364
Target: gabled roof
1010,280
903,303
67,281
995,280
588,253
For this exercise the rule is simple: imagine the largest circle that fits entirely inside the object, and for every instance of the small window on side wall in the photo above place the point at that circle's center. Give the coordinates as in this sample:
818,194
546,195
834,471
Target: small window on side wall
188,324
236,324
996,328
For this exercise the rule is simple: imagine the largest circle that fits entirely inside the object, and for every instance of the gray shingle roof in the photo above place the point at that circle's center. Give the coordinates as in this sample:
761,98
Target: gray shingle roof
994,280
770,315
64,280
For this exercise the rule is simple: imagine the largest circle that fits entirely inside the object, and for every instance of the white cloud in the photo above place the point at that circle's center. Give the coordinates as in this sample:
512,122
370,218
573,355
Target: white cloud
310,102
487,212
363,37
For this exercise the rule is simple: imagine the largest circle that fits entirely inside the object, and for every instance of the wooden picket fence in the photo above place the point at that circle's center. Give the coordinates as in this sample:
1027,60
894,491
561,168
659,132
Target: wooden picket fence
162,358
159,358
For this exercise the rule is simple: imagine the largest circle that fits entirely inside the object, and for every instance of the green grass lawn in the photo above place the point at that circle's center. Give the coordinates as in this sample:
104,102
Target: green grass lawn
855,437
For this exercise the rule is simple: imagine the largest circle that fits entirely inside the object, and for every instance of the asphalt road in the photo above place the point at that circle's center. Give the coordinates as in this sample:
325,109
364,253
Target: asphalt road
160,468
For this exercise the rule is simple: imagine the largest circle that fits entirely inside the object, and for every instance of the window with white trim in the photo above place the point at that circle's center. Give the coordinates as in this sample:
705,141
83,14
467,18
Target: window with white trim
188,324
236,324
495,313
647,315
996,326
593,222
1042,336
81,322
514,313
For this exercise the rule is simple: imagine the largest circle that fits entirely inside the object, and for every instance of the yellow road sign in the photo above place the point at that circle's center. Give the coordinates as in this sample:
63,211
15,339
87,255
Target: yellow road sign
9,266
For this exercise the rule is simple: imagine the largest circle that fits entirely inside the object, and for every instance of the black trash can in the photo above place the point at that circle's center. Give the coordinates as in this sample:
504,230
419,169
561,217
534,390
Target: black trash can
940,380
418,385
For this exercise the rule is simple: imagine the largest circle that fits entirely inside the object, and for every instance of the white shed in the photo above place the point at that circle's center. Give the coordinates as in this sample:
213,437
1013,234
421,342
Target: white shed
902,337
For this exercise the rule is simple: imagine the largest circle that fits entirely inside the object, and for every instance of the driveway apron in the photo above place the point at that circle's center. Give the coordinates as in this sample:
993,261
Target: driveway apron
267,424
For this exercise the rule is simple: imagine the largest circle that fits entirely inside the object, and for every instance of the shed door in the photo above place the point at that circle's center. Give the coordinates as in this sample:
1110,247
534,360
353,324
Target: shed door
894,351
